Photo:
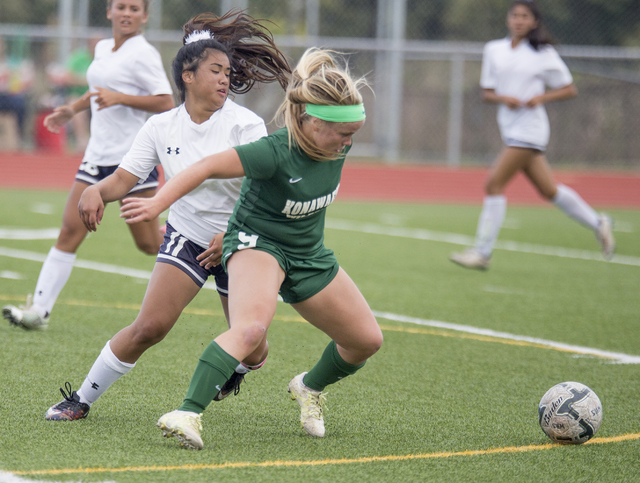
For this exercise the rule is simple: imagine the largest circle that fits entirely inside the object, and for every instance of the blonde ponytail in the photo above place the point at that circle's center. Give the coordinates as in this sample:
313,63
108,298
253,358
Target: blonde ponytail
319,78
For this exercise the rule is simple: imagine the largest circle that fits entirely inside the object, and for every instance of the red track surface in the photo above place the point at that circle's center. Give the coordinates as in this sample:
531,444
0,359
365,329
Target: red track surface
368,182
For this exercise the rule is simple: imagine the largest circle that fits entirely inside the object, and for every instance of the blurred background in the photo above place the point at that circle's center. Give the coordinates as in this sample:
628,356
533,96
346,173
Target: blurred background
422,58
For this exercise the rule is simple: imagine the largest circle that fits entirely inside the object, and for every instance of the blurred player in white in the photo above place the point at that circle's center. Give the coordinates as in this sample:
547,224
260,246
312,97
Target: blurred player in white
515,72
230,53
126,81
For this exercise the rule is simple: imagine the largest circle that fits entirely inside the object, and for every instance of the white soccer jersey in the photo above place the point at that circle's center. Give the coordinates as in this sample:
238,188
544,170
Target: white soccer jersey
134,69
175,141
522,73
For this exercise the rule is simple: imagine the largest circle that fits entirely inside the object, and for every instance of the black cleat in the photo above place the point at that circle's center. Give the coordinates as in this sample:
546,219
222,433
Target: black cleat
232,385
69,409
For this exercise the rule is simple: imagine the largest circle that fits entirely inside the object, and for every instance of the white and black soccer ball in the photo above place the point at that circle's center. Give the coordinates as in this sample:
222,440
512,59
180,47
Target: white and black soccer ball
570,413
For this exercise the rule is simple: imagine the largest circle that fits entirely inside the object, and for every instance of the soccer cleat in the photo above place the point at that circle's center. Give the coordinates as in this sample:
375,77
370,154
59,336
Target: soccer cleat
25,316
311,404
69,409
184,425
604,235
232,385
470,258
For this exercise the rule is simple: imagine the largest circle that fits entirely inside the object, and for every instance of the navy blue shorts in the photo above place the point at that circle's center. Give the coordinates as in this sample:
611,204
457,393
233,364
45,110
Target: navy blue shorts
91,174
181,252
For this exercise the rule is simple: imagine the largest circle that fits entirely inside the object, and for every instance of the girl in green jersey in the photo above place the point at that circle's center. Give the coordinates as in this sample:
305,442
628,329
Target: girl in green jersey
291,177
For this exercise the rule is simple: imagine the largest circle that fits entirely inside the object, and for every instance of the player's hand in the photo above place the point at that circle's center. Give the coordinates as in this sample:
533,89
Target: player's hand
212,256
534,101
91,208
135,210
105,98
511,102
59,117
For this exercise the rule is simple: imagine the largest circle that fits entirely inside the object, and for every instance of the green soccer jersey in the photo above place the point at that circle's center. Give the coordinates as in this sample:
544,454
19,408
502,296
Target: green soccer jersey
285,194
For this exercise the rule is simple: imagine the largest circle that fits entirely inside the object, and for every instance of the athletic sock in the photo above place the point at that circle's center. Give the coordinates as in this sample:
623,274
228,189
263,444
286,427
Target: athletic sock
214,368
575,207
329,369
106,370
54,274
243,368
494,209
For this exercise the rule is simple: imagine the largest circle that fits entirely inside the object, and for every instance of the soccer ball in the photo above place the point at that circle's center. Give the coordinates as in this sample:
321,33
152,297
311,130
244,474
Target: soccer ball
570,413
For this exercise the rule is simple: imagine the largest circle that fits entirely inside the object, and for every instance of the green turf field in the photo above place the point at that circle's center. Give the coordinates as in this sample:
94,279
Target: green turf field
435,404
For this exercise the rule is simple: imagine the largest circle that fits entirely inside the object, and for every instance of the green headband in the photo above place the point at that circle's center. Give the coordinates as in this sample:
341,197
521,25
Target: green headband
353,113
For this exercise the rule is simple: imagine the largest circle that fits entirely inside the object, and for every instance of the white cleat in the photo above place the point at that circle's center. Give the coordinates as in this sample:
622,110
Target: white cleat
471,258
184,425
311,403
25,316
604,235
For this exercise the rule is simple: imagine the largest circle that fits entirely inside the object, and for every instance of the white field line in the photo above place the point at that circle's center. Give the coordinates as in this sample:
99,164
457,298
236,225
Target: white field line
438,236
615,357
7,477
106,268
100,267
28,234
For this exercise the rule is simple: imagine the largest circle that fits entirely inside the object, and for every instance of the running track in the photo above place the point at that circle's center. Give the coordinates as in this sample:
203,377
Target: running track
369,182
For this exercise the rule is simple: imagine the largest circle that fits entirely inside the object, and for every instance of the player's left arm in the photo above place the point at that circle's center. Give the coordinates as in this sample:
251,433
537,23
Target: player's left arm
552,95
222,165
159,103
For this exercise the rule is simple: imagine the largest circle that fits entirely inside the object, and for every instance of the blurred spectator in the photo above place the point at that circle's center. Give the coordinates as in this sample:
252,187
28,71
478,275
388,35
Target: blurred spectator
16,78
71,81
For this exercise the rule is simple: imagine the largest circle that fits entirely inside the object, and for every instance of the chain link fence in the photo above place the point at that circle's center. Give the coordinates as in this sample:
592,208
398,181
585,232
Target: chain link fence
422,58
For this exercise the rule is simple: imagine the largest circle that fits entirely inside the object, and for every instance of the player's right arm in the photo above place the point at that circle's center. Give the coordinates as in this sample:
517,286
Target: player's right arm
112,188
63,114
223,165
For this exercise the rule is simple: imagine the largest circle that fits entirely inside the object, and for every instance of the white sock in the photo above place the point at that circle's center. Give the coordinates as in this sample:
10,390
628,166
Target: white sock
494,209
243,368
54,274
575,207
106,370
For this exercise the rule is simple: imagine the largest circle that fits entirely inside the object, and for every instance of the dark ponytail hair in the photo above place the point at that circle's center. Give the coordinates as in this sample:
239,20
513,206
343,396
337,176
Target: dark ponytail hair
252,53
538,36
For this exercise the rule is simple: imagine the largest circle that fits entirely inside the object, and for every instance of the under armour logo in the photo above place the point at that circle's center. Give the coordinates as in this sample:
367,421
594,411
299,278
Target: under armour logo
177,151
94,385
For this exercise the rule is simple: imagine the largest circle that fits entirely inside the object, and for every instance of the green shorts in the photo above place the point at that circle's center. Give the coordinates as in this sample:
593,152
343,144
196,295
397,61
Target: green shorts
303,277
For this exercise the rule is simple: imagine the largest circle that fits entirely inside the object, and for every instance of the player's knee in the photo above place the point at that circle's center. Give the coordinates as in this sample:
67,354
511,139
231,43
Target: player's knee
70,235
548,193
492,187
147,247
369,344
148,333
253,335
374,343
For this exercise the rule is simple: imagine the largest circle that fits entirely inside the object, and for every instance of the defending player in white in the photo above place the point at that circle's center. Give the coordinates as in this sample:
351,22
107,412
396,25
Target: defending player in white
515,71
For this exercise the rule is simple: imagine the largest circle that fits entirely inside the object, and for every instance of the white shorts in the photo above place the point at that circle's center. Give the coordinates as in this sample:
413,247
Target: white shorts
514,143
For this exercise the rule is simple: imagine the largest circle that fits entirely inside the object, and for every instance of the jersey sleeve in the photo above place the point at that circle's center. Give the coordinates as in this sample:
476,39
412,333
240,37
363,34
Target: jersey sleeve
252,132
150,73
488,77
258,158
556,73
143,156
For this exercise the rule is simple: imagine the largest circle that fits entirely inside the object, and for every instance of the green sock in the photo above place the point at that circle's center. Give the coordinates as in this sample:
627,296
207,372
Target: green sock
329,369
214,368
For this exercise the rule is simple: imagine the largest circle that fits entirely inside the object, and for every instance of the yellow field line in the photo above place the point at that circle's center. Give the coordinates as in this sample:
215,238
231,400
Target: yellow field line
341,461
293,318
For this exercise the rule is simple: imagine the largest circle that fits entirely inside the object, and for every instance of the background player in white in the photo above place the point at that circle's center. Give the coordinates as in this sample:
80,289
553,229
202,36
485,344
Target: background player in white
126,81
515,71
274,243
230,53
